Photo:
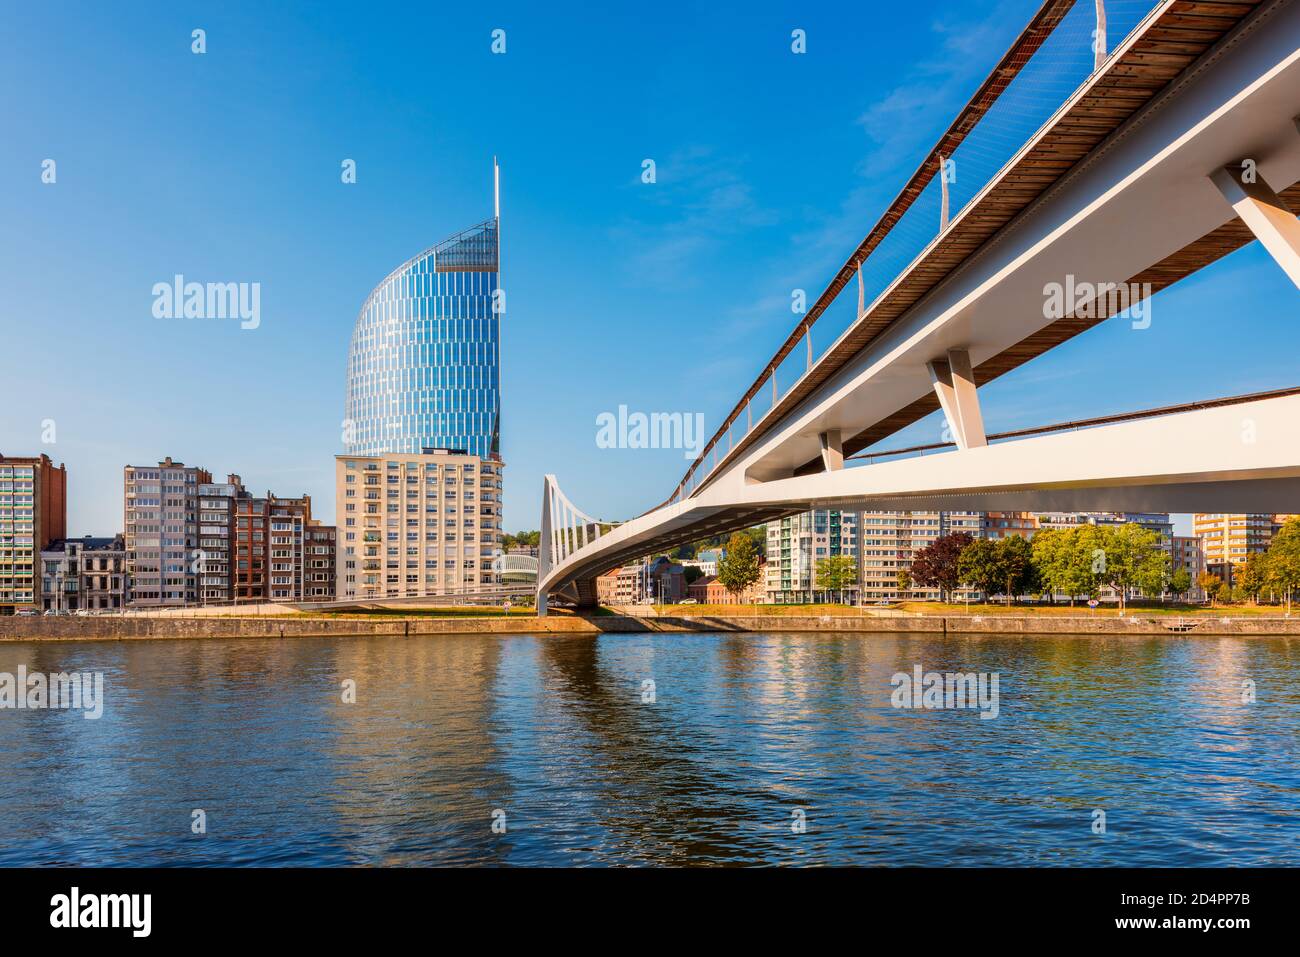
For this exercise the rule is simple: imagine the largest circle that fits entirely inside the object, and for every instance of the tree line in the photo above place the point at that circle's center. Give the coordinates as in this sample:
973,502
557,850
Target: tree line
521,540
1075,562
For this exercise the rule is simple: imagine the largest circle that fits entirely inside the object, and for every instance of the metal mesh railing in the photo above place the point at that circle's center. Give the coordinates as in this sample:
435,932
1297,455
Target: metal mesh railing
1053,57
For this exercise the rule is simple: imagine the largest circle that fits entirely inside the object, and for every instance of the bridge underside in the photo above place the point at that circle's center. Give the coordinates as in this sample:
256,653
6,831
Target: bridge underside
691,526
1132,203
1192,258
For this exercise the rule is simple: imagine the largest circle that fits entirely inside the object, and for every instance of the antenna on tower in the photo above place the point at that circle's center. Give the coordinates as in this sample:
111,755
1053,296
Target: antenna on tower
496,188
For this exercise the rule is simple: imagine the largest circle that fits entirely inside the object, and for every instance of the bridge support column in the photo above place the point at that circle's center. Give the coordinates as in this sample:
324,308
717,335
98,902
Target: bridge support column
954,383
832,451
1267,215
585,589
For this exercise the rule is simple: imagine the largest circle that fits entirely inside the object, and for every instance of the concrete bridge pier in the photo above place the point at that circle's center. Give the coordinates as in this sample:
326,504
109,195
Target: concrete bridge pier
586,592
583,593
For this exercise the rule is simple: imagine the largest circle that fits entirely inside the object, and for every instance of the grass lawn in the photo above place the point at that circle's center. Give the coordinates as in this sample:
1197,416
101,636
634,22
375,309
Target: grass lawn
455,611
1081,608
990,610
749,611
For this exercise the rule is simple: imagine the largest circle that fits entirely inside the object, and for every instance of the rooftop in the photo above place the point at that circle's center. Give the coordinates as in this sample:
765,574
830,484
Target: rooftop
88,544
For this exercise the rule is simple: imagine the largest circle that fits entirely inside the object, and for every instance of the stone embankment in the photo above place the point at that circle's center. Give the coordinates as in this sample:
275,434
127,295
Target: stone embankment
116,628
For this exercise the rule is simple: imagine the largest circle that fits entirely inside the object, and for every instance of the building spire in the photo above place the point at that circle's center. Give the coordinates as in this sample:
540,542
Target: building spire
496,188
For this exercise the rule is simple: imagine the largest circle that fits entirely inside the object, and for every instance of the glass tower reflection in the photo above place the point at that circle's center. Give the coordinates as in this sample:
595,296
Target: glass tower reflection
423,366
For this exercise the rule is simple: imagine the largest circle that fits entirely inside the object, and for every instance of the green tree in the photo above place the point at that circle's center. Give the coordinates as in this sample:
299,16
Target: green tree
1283,561
739,568
692,574
1133,559
1252,577
521,539
1048,554
1222,591
1065,559
837,573
1016,562
1089,558
1209,584
1180,582
980,567
999,567
757,533
904,579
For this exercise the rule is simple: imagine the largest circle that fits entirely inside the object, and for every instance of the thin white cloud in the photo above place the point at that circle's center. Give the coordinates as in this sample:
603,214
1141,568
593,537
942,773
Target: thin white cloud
702,200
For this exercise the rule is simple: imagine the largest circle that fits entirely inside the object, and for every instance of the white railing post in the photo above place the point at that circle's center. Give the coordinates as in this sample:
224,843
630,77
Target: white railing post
563,529
555,530
1099,37
570,538
943,191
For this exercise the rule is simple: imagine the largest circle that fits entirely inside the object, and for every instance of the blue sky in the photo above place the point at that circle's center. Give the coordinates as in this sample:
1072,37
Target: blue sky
665,297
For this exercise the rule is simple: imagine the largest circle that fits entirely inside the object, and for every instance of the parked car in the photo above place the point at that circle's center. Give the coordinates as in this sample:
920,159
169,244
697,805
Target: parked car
688,601
27,613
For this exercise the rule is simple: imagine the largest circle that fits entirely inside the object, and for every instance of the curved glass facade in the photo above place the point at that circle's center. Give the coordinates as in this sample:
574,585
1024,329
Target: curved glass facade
423,366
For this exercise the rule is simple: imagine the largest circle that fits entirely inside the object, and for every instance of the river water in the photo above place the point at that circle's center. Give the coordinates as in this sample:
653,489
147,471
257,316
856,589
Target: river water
745,749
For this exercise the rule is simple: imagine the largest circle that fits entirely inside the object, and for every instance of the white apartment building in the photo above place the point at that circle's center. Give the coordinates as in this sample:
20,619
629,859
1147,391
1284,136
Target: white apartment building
162,531
417,525
1228,539
794,546
890,541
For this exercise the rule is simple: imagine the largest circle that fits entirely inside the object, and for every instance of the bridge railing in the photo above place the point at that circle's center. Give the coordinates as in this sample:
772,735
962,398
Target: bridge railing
1065,43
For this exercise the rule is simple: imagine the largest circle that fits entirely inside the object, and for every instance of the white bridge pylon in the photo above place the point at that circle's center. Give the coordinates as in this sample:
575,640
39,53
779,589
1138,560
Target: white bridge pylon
565,529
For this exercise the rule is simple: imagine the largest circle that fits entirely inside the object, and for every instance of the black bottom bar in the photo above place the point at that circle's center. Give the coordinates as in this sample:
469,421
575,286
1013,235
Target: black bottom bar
334,906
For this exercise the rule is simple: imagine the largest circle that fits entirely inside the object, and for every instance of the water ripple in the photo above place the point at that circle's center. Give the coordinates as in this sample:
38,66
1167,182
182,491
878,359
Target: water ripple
747,737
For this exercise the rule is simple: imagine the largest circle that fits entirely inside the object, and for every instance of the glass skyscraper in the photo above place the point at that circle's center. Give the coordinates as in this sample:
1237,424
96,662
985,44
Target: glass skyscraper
423,366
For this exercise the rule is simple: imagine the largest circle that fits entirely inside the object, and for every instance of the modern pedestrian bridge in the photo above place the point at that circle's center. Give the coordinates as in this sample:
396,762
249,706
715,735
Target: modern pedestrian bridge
1140,163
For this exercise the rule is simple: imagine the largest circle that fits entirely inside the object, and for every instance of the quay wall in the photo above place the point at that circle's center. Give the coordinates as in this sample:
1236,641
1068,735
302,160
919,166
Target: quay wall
121,628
